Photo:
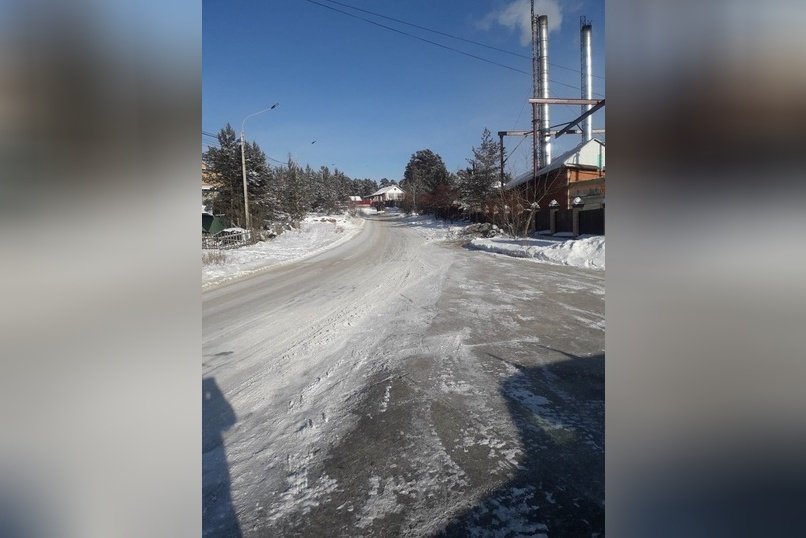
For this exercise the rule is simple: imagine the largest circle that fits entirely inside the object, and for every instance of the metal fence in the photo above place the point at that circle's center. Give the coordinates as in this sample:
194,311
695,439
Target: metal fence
591,221
226,240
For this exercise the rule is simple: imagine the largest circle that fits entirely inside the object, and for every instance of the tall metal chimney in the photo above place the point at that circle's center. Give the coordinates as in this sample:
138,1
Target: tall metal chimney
543,88
587,76
535,69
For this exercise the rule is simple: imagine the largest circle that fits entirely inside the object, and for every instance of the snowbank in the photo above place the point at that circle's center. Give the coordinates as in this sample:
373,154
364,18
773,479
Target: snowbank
312,237
588,252
365,210
430,228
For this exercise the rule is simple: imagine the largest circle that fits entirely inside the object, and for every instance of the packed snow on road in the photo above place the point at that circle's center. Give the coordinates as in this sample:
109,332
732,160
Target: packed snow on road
403,384
318,233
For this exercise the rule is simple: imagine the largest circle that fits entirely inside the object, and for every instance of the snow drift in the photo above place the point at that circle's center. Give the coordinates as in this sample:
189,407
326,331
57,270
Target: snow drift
587,252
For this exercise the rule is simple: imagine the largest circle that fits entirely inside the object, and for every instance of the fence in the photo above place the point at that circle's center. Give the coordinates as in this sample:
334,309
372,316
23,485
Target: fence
228,240
591,221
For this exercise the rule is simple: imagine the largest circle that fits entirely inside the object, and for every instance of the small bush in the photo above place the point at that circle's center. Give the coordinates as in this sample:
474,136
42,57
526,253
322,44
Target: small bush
213,257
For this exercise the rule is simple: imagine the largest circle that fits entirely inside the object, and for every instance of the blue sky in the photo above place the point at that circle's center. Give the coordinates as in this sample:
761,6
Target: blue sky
371,97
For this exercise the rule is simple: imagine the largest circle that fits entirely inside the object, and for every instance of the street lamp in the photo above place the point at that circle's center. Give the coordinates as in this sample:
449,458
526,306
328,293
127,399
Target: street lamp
243,165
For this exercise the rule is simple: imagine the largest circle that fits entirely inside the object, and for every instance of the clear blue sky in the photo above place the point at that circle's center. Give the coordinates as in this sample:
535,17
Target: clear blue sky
371,97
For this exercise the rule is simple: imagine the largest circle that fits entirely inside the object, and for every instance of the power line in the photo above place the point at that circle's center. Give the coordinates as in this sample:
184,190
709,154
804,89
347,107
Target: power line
480,44
418,37
521,112
436,43
430,30
209,145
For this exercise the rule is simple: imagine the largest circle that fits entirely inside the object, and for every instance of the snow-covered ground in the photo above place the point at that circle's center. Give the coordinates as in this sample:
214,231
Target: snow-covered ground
561,249
395,406
433,229
426,226
315,234
588,252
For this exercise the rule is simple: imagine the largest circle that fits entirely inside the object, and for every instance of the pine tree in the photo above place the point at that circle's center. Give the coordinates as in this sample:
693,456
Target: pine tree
295,193
226,172
426,174
476,183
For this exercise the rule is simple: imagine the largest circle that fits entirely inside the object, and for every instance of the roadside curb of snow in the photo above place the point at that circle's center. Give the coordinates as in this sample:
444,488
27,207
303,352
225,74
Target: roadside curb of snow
348,234
538,253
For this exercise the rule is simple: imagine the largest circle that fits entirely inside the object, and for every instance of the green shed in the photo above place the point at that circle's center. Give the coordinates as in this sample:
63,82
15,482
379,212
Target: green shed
212,224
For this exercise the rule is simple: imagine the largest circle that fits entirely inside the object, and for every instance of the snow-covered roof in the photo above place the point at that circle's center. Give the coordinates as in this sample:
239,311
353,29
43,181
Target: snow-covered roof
355,198
386,190
590,154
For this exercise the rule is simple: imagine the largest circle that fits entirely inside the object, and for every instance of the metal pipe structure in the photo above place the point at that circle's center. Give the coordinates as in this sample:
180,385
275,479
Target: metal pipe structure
587,76
552,131
535,84
564,101
580,119
543,88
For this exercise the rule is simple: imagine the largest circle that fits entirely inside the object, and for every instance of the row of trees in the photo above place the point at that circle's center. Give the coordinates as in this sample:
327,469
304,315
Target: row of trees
275,192
475,191
471,191
290,191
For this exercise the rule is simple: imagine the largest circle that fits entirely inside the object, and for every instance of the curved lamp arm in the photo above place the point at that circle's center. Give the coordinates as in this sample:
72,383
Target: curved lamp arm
243,123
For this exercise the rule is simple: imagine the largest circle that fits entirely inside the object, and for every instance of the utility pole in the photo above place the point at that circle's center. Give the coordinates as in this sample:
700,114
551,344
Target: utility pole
245,195
247,219
501,155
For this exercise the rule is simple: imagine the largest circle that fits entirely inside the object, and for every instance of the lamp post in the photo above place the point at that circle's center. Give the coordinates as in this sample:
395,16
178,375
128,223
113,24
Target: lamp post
243,166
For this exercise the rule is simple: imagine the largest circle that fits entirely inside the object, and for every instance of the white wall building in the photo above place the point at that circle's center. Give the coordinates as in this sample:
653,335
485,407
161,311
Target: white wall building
392,193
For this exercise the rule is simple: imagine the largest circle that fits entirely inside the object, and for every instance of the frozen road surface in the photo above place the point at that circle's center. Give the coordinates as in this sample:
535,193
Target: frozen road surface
394,386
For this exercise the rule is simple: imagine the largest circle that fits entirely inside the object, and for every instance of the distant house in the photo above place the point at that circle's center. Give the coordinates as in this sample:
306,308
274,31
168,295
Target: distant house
579,171
355,201
387,196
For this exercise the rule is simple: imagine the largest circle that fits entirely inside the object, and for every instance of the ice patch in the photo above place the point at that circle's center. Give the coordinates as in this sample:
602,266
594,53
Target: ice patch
301,495
382,501
385,402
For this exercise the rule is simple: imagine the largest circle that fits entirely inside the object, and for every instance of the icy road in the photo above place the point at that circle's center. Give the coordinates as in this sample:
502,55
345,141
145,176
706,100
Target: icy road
396,386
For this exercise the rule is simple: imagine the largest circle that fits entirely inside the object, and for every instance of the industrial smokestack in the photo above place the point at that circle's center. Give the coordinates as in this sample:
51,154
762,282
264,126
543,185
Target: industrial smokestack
543,88
535,84
587,77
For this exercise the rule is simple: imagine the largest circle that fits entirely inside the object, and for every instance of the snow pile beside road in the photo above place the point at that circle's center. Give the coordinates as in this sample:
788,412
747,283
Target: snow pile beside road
588,252
314,235
430,228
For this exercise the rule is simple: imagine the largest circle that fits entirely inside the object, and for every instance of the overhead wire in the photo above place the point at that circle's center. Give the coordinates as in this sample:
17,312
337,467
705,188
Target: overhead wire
209,145
441,45
445,34
418,37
